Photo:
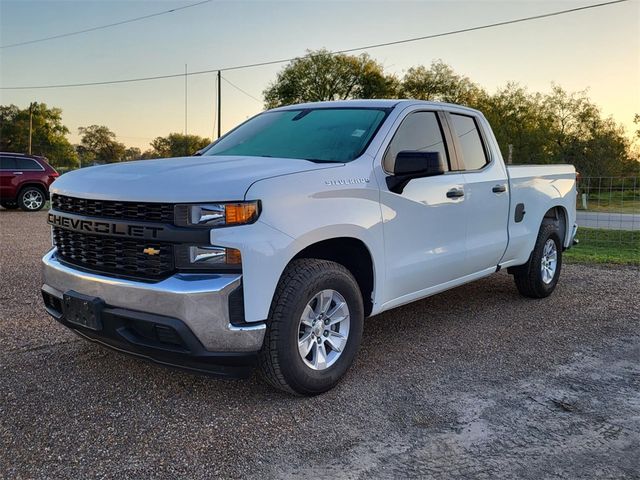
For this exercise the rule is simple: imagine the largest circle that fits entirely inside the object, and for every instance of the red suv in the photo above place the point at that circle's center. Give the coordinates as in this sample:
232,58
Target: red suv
24,181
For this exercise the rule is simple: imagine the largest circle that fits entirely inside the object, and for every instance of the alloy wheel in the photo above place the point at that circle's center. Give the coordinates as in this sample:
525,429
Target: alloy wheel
323,329
33,199
549,261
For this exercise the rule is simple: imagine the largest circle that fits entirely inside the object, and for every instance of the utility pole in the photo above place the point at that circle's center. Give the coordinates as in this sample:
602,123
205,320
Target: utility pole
219,103
186,141
185,99
214,127
30,125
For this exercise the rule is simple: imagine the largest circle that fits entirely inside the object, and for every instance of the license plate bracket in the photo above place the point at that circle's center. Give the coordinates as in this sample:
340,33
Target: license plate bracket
82,310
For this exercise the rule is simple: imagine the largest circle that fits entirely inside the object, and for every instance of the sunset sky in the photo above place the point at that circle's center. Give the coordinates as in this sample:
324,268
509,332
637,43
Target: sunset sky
598,49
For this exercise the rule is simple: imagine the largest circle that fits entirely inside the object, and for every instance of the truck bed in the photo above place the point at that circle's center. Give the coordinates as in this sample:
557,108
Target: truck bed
537,188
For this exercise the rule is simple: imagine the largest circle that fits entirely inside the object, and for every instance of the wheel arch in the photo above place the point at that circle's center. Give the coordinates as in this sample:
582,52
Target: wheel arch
559,215
354,255
36,184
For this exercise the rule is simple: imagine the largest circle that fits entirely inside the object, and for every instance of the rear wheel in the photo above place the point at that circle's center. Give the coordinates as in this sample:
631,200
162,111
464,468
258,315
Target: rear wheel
31,199
314,327
539,276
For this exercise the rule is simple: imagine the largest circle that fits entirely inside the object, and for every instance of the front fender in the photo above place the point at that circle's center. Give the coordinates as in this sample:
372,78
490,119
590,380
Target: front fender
266,252
306,208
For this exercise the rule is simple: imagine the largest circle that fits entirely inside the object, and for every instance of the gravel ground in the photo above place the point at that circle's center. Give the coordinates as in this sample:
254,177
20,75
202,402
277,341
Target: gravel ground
474,383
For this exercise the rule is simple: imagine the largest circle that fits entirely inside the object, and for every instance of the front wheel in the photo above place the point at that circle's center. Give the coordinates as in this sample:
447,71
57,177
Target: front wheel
539,276
314,327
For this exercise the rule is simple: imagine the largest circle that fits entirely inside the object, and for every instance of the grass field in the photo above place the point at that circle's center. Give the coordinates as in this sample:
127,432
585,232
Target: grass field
606,246
613,199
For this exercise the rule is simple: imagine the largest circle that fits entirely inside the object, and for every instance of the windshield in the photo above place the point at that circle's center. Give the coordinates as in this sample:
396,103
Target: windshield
319,135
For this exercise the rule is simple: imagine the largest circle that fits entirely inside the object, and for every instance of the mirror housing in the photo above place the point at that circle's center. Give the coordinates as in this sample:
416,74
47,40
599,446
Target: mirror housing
414,164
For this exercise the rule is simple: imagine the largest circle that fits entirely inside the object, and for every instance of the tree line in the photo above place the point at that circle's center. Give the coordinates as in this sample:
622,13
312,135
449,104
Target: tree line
98,144
532,127
555,127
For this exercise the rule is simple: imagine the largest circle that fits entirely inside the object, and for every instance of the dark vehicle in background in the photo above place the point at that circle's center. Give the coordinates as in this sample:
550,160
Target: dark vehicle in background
25,181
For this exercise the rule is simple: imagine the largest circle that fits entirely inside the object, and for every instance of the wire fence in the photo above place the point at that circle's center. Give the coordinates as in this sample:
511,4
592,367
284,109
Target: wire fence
608,215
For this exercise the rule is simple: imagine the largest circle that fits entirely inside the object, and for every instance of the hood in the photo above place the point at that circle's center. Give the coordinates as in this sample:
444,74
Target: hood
176,180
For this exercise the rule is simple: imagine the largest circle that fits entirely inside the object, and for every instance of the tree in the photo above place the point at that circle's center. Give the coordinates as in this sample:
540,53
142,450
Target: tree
48,133
322,76
176,145
440,83
98,145
132,153
580,136
519,119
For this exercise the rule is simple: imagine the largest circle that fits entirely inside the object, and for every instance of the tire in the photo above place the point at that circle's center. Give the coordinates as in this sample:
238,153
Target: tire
304,285
31,199
531,279
9,206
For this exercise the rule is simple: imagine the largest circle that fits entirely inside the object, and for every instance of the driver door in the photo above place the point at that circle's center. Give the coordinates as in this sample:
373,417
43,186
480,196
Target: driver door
425,225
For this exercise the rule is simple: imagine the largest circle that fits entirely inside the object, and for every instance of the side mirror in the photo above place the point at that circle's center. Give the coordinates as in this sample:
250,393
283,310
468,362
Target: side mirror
414,164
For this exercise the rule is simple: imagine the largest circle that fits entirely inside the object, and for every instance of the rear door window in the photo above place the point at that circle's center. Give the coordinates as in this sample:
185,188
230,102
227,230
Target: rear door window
27,164
473,152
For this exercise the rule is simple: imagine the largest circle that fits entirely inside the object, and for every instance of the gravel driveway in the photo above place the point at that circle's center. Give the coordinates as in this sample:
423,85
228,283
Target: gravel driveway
474,383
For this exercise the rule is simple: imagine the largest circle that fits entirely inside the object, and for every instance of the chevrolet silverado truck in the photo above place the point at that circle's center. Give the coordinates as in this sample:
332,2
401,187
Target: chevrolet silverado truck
271,246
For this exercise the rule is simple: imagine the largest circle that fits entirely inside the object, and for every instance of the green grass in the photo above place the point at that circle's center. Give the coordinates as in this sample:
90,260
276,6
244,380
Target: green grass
598,245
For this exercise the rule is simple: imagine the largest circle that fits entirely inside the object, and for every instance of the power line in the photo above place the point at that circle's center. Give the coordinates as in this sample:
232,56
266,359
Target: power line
241,90
348,50
101,27
436,35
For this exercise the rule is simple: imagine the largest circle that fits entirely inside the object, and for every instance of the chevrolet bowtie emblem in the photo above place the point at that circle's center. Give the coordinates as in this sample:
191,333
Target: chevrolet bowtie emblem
151,251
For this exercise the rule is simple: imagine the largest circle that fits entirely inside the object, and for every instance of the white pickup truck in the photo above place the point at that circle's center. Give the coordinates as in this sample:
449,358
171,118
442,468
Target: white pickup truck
272,244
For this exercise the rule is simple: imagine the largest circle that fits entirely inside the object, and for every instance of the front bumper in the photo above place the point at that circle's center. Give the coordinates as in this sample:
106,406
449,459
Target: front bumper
194,305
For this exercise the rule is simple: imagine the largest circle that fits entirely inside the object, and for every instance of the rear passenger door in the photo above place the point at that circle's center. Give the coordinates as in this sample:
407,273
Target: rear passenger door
29,169
486,191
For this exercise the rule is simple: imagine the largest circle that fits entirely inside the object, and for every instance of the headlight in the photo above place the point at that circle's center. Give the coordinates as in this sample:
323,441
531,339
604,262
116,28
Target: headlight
213,215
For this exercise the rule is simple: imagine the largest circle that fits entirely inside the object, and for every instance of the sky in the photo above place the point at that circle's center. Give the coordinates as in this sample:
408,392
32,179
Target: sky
597,49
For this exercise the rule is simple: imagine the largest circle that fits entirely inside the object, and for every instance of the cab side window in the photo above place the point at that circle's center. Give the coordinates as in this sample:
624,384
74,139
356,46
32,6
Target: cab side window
419,131
473,152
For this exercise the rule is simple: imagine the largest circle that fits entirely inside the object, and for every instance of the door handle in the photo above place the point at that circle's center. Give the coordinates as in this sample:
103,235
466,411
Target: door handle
455,193
499,189
17,173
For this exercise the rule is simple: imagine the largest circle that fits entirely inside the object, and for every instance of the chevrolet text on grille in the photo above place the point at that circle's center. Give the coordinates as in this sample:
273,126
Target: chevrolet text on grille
96,226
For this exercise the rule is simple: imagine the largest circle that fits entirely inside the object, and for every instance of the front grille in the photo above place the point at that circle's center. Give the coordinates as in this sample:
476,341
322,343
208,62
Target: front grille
143,212
119,256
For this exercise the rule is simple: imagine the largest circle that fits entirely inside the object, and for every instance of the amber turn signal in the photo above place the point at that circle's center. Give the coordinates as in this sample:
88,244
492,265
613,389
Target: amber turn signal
240,213
233,257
